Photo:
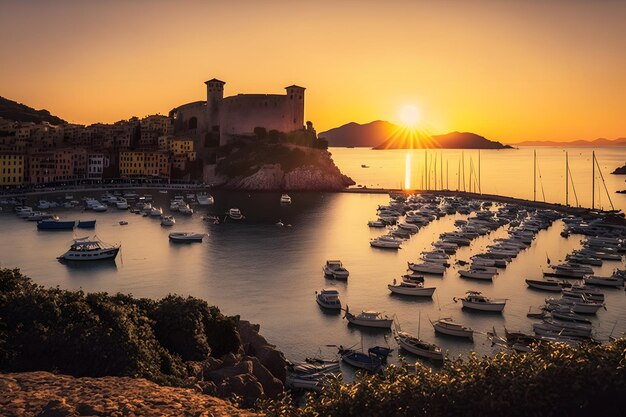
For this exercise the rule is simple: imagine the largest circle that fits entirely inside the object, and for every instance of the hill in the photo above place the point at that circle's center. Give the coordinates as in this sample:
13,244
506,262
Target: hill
575,143
359,135
384,135
12,110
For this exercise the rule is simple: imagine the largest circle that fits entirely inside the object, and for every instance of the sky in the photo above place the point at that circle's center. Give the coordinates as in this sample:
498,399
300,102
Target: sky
508,70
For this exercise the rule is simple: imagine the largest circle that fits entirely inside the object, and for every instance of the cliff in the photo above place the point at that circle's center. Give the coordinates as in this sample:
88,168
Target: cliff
12,110
262,166
43,394
384,135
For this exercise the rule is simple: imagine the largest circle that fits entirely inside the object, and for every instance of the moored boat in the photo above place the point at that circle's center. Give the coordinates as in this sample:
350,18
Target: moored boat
84,249
415,289
547,284
369,319
418,347
52,224
475,300
451,328
86,224
328,299
186,237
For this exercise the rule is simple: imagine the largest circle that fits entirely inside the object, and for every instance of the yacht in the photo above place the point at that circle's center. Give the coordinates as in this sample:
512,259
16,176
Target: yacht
475,300
235,214
369,319
328,299
186,237
411,288
335,269
84,249
418,347
168,221
205,199
285,199
451,328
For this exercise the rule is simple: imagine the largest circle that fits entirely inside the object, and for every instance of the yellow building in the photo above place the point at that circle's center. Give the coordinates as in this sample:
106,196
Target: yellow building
182,147
11,169
132,164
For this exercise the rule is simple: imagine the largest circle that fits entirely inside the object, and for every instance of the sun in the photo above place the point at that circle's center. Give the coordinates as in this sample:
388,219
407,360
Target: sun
409,116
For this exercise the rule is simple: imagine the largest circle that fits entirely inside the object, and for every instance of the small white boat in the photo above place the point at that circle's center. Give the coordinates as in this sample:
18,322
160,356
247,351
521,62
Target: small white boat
451,328
335,269
428,268
122,223
186,237
235,214
122,204
375,223
328,299
612,281
411,288
477,274
369,319
546,284
168,221
385,243
205,199
418,347
577,306
84,249
185,209
155,212
285,199
475,300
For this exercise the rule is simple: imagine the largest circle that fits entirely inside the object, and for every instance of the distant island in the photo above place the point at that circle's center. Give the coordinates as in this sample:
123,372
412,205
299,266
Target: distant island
385,135
620,171
12,110
575,143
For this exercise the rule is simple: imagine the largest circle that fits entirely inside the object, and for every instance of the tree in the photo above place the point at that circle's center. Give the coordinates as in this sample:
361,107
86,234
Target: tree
260,132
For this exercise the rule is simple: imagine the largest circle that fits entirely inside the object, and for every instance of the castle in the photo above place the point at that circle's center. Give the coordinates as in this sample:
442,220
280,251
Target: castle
215,121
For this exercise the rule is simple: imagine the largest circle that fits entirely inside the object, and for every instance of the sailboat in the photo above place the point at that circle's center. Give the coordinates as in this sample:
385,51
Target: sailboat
416,346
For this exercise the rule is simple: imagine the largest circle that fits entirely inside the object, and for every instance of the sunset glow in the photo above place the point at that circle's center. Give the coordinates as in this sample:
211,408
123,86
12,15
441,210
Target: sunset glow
509,71
409,116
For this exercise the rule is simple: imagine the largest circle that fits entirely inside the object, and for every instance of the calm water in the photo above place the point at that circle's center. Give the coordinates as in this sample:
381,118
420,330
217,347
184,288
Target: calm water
505,172
268,274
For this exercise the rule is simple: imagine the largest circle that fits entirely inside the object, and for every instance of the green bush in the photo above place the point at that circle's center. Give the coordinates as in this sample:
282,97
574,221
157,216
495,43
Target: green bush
97,334
555,381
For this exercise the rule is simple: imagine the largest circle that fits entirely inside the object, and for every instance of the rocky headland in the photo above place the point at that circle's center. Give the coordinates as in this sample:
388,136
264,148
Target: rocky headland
174,341
262,166
620,171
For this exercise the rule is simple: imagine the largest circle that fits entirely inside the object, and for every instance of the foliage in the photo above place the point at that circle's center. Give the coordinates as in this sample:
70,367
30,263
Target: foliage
557,380
97,334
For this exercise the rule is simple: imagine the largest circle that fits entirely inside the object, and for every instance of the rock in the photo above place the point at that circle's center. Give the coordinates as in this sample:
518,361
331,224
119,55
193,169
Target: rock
85,409
57,408
620,171
243,367
256,345
245,386
229,359
272,386
210,364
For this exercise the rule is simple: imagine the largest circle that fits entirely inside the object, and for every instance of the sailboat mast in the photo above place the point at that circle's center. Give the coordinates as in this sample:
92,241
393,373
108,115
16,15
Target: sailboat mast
463,167
447,175
458,177
534,175
566,180
441,168
435,170
479,187
593,179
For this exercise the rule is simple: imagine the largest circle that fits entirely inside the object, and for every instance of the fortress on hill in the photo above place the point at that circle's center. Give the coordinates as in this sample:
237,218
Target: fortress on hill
214,121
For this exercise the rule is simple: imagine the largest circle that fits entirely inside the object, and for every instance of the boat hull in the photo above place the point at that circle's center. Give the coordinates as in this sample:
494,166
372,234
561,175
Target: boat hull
416,292
88,256
56,225
428,354
496,307
86,224
378,324
468,334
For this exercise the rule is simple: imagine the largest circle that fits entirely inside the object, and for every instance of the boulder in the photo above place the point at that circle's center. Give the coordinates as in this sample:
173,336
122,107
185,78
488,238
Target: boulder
272,386
219,375
57,408
256,345
244,385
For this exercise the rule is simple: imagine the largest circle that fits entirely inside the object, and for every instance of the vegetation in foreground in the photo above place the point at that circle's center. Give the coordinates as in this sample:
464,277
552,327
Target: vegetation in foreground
554,381
96,334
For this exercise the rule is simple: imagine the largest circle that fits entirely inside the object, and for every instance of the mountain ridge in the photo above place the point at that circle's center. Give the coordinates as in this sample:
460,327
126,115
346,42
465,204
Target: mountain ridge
18,112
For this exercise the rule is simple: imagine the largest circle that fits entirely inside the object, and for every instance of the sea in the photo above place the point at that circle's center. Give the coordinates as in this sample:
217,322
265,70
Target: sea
268,274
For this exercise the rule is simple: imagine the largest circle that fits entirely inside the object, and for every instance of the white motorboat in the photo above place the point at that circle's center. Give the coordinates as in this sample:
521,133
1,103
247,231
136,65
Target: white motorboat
155,212
451,328
385,243
612,281
285,199
416,289
328,299
235,214
413,277
369,319
84,249
175,205
335,269
122,203
205,199
186,237
577,306
428,268
168,221
546,284
185,209
418,347
375,223
476,274
475,300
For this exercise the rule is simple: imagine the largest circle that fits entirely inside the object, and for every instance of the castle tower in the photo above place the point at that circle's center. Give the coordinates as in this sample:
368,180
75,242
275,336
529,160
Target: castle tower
214,95
295,100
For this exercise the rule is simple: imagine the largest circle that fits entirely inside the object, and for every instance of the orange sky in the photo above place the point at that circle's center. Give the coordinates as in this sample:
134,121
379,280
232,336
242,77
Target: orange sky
509,70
